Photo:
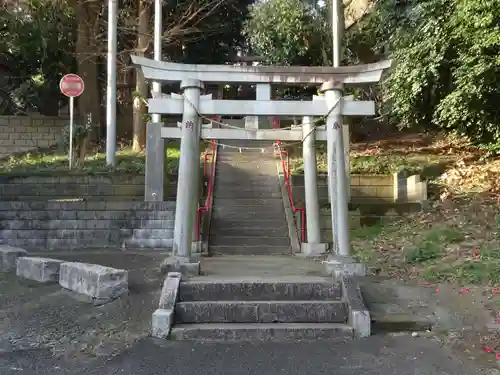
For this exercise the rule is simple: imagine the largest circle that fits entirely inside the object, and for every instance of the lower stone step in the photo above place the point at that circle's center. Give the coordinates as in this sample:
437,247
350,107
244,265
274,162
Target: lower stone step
245,194
143,243
229,214
235,231
261,312
261,332
250,223
258,289
262,240
249,250
249,202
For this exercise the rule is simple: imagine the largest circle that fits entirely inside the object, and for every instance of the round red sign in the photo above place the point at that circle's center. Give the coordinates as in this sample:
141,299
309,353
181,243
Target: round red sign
72,85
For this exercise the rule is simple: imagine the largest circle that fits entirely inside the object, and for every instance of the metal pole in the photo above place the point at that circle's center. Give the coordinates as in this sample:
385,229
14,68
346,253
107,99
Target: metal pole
342,193
335,136
337,31
332,97
337,52
189,167
310,181
111,84
158,34
71,120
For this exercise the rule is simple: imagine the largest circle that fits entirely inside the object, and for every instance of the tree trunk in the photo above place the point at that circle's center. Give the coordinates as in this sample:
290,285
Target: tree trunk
87,49
141,87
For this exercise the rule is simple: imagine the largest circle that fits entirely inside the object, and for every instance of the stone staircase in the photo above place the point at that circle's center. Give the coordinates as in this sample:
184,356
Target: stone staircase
298,308
248,217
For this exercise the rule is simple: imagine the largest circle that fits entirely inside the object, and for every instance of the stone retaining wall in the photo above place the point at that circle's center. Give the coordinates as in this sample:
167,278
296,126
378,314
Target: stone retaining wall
53,187
399,187
77,225
361,214
24,133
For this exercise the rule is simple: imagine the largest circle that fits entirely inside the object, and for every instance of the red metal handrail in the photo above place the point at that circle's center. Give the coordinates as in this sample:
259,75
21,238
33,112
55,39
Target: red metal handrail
208,200
285,166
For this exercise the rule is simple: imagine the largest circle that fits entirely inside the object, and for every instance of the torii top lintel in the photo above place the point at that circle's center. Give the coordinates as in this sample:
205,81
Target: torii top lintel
163,71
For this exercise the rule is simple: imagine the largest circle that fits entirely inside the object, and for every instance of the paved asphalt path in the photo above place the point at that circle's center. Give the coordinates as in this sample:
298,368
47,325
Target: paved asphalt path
378,355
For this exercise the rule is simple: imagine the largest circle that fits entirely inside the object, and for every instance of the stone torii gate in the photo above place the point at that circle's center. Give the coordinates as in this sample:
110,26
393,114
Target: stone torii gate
191,104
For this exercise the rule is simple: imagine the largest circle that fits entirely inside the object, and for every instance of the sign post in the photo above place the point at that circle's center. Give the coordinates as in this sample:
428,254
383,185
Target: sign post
72,86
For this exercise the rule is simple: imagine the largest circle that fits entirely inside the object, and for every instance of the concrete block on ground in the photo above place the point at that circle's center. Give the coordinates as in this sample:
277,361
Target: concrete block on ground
187,267
98,282
169,291
43,270
359,316
162,323
163,317
9,255
338,266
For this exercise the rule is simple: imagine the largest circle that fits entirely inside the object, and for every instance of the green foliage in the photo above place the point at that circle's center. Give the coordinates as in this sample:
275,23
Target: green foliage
42,163
422,253
80,132
446,68
38,40
288,32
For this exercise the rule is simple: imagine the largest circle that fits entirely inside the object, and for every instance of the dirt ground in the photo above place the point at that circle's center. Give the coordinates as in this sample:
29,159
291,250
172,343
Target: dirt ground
35,316
459,318
45,317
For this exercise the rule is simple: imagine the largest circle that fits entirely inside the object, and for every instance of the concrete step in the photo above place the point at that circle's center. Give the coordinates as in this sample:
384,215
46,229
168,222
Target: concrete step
240,193
244,202
263,240
246,180
248,250
261,312
246,171
254,223
229,214
225,207
230,166
242,185
258,289
146,233
248,232
148,243
250,156
261,332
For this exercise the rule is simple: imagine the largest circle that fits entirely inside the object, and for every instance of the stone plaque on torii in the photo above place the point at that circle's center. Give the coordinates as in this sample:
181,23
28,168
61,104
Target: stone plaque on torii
191,104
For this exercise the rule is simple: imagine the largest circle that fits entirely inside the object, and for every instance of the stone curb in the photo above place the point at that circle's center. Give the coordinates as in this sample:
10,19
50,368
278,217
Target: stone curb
163,317
42,270
102,284
359,316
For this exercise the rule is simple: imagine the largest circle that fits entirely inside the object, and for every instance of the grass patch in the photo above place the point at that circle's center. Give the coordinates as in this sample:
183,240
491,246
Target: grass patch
364,164
417,153
456,244
127,162
484,270
367,232
423,253
371,164
456,239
